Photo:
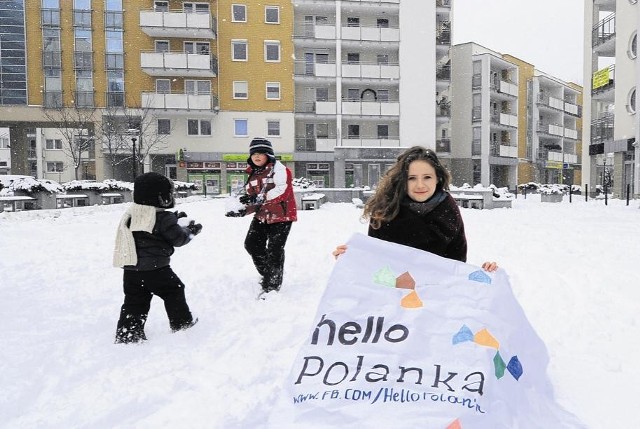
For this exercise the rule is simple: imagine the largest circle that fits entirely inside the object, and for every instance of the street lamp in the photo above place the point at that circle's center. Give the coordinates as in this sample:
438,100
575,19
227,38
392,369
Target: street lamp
133,157
133,133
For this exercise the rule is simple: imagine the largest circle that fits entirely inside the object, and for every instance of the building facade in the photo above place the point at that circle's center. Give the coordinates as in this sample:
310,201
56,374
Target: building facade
111,88
511,123
610,106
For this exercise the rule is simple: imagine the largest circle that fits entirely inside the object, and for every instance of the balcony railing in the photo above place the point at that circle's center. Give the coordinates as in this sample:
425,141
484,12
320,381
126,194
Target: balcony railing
179,101
375,34
604,30
602,128
603,80
371,108
178,24
179,64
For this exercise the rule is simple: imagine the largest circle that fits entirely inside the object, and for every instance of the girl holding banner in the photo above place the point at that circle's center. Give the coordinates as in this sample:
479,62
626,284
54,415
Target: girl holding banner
412,207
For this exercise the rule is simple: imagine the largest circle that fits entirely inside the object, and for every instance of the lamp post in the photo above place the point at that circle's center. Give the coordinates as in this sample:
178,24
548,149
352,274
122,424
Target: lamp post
133,157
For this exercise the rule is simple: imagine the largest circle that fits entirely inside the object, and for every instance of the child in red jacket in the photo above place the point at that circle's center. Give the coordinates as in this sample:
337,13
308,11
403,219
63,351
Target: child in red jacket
269,196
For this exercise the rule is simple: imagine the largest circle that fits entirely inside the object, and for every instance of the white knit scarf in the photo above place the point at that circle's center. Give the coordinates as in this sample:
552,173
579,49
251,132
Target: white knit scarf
143,218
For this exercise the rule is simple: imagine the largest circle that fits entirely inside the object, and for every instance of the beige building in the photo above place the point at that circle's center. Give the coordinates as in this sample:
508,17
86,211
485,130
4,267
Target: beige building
511,123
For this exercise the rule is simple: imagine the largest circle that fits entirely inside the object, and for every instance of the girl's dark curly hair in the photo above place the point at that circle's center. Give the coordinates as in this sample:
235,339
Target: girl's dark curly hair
384,205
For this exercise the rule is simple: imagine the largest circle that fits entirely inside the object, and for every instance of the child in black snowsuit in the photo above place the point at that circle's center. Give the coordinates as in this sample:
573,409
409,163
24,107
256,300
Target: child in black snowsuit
145,241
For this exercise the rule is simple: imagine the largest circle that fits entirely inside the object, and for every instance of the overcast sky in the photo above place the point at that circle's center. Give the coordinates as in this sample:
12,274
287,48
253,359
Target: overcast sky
546,33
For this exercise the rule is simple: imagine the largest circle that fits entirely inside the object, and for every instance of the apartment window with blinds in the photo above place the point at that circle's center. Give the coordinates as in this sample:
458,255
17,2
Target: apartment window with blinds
240,89
273,128
273,90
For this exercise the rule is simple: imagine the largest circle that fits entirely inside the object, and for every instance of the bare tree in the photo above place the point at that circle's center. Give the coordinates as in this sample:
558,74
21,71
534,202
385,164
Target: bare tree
77,128
122,125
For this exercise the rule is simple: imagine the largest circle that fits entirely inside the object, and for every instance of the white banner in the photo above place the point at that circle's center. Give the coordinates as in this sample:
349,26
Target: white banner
404,338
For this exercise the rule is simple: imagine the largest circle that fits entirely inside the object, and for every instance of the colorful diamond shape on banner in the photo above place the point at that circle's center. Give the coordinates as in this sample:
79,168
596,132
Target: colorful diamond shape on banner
385,277
480,276
454,425
499,365
405,281
515,367
464,334
484,338
411,300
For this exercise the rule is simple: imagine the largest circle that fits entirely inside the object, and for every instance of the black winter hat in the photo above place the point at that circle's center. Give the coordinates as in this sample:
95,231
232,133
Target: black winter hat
153,189
261,145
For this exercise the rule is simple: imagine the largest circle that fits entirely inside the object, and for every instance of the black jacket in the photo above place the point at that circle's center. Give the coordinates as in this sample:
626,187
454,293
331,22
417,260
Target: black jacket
441,231
154,250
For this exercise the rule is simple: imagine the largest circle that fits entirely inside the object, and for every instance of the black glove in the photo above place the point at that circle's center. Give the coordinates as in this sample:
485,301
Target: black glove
239,213
247,199
180,214
194,228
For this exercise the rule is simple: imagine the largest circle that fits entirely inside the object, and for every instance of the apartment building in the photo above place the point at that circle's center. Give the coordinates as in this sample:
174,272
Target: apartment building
366,86
5,151
114,88
511,122
610,124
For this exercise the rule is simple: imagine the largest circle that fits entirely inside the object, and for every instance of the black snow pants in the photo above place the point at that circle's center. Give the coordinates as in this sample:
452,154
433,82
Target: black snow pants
265,243
139,287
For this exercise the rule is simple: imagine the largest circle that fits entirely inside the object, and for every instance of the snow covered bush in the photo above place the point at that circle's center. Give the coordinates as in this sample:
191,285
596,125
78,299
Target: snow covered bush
185,186
303,183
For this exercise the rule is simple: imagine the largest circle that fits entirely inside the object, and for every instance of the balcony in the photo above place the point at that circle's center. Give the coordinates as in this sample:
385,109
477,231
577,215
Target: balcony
603,83
374,34
303,68
603,36
504,119
327,107
371,71
155,100
550,129
359,141
550,102
178,24
504,150
370,108
179,64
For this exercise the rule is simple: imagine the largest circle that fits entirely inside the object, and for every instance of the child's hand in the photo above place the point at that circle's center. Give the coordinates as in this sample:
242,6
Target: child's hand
490,266
339,250
194,228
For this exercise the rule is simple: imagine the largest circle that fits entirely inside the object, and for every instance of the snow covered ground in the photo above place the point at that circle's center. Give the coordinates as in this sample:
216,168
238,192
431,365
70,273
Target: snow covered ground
572,268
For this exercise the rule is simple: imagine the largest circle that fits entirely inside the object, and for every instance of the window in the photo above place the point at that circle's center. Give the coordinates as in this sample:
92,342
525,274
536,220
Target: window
353,22
161,6
53,144
240,89
382,23
631,101
162,46
353,131
4,142
322,94
633,46
353,58
383,59
163,86
164,126
383,132
113,5
50,4
353,94
238,13
197,87
383,95
273,128
195,7
198,127
273,90
240,127
271,51
55,167
272,14
239,50
201,48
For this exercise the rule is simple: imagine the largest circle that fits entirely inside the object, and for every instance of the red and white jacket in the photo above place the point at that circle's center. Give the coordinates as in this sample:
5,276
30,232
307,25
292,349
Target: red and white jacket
274,184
